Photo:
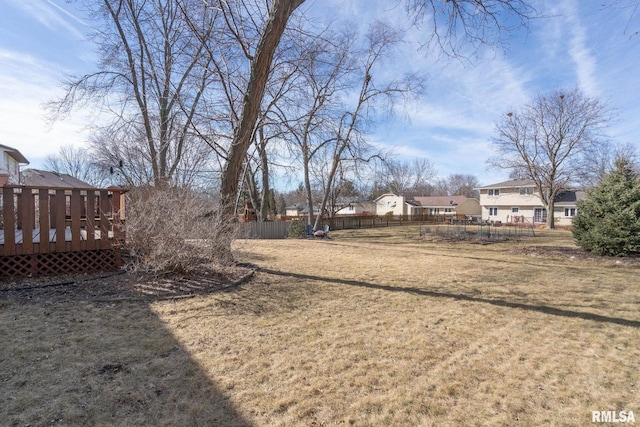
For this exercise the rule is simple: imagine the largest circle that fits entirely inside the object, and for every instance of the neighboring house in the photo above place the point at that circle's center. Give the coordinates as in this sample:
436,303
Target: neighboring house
39,178
305,211
357,207
293,210
391,204
10,165
444,205
300,210
517,201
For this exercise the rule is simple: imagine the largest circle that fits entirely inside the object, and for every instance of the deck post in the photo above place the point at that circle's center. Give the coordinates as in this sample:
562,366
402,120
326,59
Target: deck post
8,217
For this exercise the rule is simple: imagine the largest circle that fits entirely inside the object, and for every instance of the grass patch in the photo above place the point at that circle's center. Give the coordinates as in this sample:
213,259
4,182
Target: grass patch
372,327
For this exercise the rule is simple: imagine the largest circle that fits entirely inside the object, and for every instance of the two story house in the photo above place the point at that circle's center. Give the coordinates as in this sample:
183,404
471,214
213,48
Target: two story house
517,201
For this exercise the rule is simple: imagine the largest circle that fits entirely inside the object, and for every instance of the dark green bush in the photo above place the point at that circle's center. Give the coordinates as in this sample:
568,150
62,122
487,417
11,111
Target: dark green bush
608,220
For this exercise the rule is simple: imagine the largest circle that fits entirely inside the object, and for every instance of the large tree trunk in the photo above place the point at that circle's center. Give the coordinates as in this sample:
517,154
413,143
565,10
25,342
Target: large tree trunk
307,187
551,221
548,200
260,67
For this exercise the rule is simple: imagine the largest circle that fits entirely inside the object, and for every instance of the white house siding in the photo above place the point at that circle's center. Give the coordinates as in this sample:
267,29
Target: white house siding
291,212
505,201
390,203
10,161
561,219
510,197
505,215
358,208
10,167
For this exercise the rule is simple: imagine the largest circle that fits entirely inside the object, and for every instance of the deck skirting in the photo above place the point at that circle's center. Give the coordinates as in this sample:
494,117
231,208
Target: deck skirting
57,263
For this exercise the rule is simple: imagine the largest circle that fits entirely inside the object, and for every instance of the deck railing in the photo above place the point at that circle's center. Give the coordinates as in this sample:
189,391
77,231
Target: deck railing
38,220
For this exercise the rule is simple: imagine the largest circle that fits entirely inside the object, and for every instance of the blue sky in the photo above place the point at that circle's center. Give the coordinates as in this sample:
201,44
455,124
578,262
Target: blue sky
581,44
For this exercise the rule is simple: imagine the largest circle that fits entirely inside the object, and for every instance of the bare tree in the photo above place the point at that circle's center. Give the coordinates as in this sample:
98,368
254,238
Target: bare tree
458,184
342,191
454,21
80,164
547,139
600,159
273,128
131,161
311,106
347,142
403,176
279,14
151,79
451,25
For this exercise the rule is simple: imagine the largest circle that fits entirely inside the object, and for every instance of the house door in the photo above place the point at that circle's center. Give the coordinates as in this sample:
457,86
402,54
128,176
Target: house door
539,215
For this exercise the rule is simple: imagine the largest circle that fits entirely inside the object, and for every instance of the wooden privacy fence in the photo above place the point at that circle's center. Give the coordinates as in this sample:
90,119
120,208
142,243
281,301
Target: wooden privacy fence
264,230
280,229
57,230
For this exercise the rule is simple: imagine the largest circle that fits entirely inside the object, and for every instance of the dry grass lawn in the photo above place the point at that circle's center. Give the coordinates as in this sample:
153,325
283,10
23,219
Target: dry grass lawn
371,328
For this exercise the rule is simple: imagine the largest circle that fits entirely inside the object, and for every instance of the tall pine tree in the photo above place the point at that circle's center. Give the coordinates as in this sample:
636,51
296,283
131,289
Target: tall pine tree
608,220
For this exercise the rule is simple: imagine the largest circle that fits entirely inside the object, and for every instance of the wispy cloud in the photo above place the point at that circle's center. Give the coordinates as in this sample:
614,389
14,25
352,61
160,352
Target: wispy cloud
467,100
50,15
578,47
568,40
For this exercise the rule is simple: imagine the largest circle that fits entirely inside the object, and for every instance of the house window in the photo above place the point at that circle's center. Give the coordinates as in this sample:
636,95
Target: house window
540,215
515,210
493,211
569,211
448,210
494,192
526,191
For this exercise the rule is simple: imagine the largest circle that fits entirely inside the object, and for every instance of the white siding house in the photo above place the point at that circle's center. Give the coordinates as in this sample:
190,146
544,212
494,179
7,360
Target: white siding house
390,204
361,207
518,201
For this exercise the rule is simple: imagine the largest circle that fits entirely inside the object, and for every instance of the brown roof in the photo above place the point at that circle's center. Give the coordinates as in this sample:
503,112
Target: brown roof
38,178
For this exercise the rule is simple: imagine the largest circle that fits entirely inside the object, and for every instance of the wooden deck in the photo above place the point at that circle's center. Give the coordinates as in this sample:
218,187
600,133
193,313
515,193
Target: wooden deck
32,218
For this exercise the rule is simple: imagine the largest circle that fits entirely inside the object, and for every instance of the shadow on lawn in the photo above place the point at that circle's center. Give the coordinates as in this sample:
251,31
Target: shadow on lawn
461,297
79,363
